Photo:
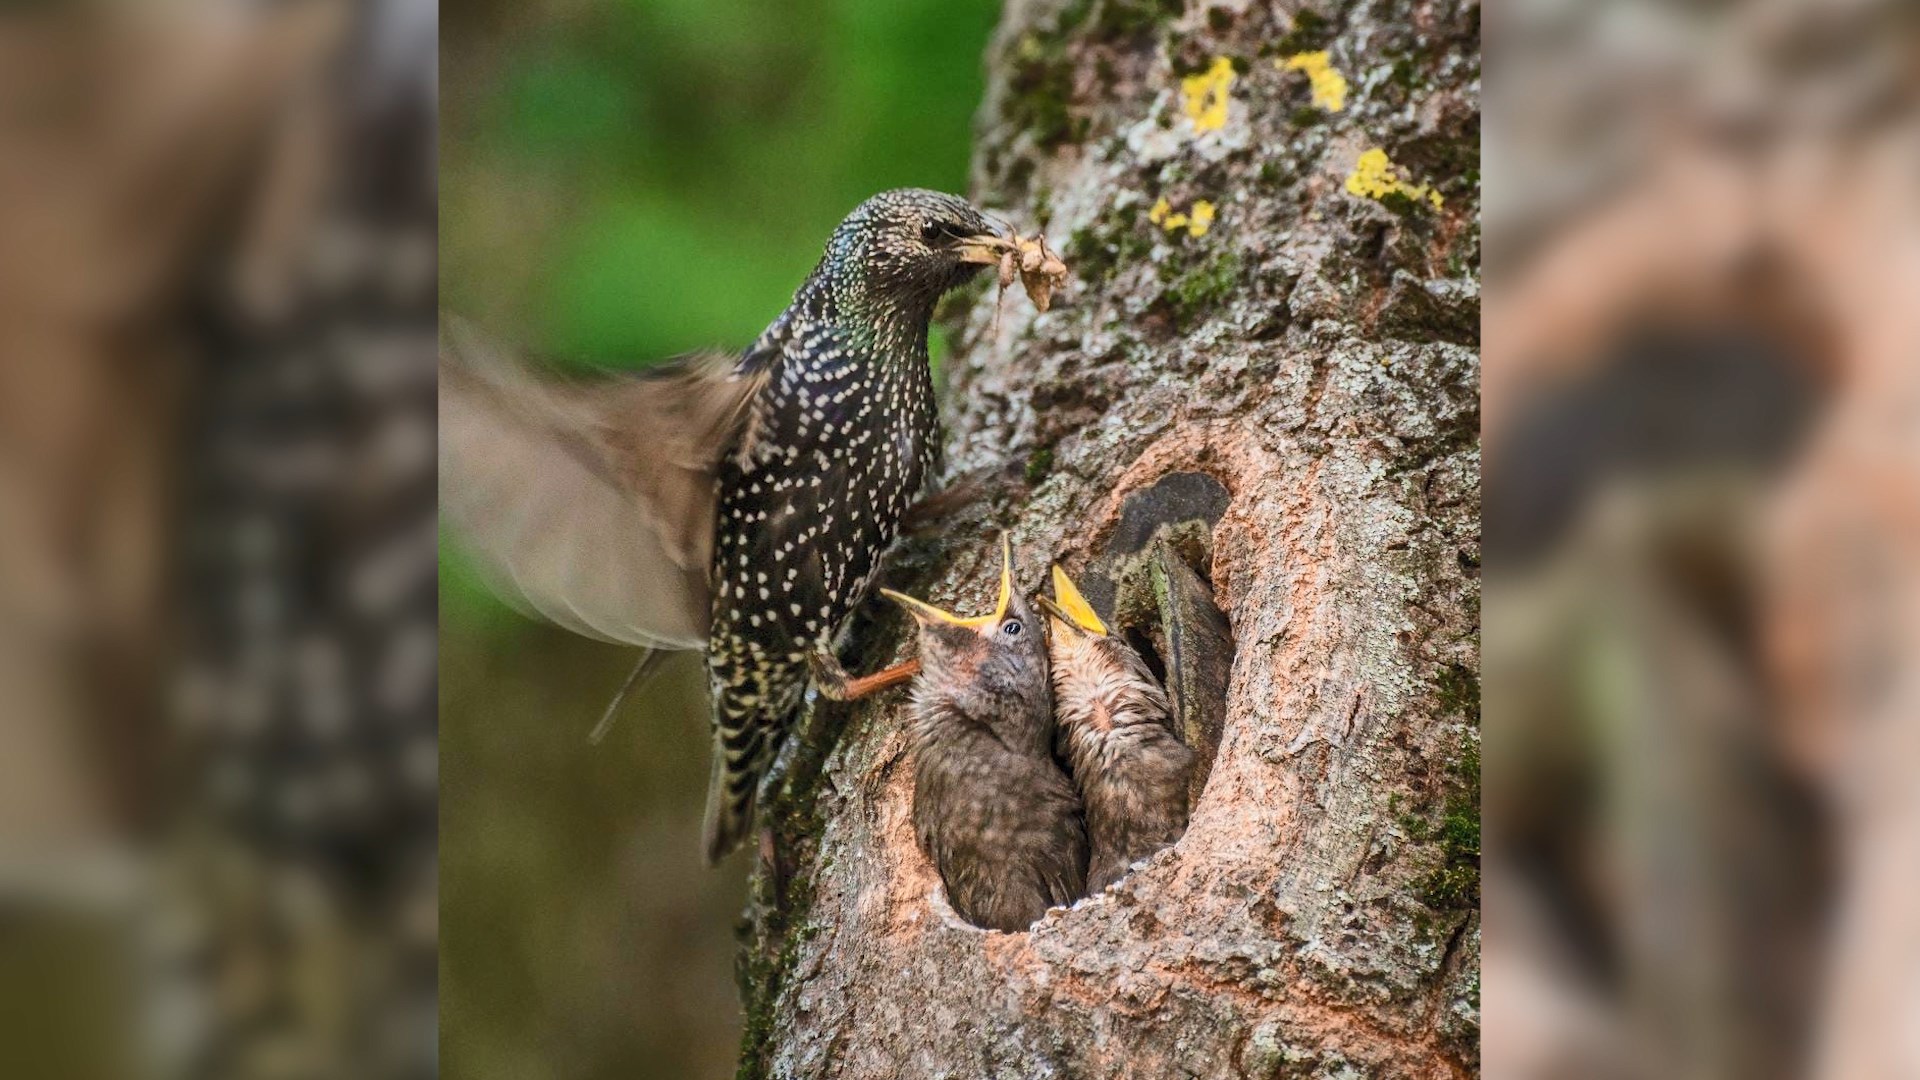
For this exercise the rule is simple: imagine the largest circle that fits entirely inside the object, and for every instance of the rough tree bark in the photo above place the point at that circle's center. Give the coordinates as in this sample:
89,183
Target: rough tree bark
1315,352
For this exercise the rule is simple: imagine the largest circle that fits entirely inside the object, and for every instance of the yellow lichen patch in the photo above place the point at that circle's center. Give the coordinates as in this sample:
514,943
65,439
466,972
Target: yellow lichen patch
1202,214
1329,86
1375,177
1206,95
1196,220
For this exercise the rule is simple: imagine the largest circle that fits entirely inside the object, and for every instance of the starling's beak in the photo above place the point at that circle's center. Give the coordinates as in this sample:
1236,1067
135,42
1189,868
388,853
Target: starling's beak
1069,607
985,248
924,612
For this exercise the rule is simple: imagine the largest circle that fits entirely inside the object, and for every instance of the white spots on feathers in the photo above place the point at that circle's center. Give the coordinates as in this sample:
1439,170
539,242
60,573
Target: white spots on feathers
845,436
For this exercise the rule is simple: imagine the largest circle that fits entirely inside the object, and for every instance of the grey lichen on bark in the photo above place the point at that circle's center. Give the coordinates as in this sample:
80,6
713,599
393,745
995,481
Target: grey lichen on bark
1314,350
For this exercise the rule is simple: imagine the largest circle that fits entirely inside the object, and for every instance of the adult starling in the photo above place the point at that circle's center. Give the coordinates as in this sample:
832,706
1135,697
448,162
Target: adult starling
991,808
1114,733
740,505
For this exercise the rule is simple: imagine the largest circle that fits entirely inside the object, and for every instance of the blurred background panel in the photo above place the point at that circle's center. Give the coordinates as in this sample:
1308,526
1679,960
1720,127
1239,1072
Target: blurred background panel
217,539
623,181
1702,502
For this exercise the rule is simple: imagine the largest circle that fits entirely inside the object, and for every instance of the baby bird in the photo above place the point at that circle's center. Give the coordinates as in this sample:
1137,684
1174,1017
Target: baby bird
1113,732
991,808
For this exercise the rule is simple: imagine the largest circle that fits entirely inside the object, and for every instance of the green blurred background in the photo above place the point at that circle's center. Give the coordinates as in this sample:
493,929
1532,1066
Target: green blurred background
621,181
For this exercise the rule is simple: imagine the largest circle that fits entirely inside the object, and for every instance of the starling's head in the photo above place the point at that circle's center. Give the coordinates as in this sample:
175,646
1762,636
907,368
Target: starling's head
992,667
910,245
1072,616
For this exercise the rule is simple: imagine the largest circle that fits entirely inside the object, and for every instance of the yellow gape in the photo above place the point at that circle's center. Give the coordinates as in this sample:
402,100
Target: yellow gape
977,622
1070,608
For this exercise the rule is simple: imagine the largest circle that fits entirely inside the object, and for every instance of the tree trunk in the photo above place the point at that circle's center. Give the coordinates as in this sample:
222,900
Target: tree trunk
1313,350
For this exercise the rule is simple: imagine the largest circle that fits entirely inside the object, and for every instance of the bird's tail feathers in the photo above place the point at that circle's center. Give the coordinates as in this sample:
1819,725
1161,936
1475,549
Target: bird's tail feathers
729,815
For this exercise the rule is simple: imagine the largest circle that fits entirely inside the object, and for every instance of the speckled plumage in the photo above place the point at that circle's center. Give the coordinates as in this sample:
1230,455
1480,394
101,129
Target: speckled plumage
839,442
740,505
991,808
1113,729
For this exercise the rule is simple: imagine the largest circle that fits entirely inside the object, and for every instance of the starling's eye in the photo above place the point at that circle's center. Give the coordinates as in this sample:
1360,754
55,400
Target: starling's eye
1013,628
933,232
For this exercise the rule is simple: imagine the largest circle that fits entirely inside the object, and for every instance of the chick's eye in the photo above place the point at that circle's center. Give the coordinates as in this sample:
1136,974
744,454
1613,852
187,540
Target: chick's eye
1013,628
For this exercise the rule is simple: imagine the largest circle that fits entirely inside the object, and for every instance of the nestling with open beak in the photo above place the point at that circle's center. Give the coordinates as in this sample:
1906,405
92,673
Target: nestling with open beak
1113,729
991,807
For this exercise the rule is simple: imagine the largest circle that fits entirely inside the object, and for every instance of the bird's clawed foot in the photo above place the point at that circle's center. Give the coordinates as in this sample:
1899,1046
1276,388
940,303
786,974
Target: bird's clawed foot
837,685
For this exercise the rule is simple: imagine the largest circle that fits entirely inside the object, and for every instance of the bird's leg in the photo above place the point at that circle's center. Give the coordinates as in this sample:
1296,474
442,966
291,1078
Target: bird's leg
837,685
648,660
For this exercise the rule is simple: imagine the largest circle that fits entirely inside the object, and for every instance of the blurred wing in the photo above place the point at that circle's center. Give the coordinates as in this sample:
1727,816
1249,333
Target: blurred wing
590,503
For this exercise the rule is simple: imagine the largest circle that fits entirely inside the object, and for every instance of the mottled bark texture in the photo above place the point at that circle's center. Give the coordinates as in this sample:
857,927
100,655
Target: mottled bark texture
1315,352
